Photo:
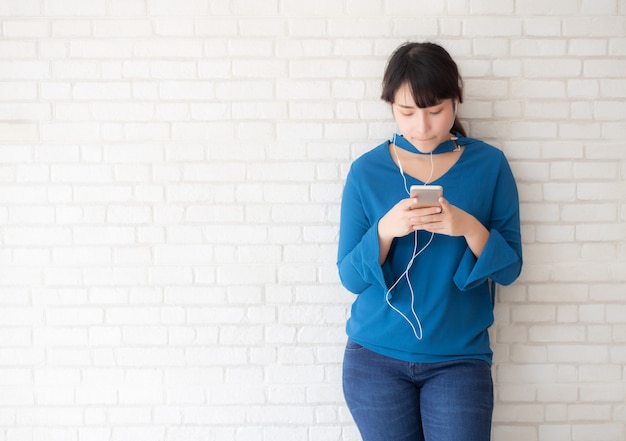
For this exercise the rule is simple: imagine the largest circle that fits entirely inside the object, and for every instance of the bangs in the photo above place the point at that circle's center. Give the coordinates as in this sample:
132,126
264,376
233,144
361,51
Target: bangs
424,92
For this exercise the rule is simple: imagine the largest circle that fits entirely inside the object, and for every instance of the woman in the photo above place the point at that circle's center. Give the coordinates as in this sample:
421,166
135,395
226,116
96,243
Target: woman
417,363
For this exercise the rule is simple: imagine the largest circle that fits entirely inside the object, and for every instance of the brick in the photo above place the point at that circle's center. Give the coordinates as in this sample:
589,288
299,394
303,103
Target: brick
608,111
25,8
302,89
184,7
217,26
101,91
564,68
303,48
587,47
613,130
534,130
542,110
582,88
258,68
262,27
600,191
556,432
84,173
104,111
590,431
538,88
74,132
189,254
601,393
101,49
75,7
321,8
486,27
579,353
358,27
122,28
612,88
539,48
543,26
558,393
492,7
537,7
71,27
17,49
30,215
18,91
170,275
603,68
183,90
171,48
575,334
526,413
559,192
173,26
592,213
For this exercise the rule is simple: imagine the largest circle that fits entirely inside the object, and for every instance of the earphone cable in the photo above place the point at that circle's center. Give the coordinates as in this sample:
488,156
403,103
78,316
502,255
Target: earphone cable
414,254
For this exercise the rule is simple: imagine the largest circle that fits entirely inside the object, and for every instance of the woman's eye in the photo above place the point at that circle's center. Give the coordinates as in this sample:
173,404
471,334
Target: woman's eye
437,112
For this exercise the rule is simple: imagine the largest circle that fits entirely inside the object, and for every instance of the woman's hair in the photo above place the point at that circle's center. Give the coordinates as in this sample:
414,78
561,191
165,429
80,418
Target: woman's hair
430,72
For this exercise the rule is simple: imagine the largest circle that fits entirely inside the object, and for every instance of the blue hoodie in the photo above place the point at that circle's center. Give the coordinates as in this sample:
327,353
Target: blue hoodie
452,289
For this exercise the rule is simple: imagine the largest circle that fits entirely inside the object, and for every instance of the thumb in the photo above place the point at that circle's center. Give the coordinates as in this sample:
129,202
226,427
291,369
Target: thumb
444,203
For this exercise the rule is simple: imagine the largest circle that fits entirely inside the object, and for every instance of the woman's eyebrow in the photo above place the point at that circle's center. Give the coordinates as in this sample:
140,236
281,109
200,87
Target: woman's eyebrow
407,106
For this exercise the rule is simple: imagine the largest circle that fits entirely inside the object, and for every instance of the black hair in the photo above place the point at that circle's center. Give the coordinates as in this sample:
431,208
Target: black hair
429,71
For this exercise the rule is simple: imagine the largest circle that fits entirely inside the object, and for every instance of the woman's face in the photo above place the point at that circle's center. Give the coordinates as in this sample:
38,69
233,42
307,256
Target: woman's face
427,127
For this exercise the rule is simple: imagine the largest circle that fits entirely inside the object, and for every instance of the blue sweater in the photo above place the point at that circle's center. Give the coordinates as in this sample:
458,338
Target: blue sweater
452,288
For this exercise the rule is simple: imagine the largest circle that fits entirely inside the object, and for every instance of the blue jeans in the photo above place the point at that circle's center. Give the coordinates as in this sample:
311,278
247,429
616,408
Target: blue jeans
393,400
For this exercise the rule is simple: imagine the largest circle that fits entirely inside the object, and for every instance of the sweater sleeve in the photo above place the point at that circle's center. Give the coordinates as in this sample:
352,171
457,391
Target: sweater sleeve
359,247
501,259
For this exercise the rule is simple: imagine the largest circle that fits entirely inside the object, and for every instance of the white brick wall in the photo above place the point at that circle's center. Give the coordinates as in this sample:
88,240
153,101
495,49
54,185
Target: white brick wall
170,177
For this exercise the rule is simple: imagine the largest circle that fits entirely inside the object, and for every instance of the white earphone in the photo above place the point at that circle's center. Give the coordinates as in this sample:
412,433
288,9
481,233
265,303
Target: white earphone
414,254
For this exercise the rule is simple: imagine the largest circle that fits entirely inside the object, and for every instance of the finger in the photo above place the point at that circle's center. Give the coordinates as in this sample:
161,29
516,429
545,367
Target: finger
410,203
427,211
426,219
426,227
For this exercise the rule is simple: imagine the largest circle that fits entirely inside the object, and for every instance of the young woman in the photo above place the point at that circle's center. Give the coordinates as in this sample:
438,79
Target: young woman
417,363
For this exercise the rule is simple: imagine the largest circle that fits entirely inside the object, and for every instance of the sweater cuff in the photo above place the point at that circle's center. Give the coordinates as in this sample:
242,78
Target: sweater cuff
369,258
496,258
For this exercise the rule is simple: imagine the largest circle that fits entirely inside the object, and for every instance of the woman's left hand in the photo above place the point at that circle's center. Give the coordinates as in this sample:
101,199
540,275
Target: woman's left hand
453,221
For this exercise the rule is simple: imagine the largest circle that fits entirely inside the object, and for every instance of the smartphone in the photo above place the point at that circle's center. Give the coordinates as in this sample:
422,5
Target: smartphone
427,195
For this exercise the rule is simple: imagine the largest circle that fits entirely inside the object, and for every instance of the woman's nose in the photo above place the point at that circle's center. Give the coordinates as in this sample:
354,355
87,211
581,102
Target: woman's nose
422,124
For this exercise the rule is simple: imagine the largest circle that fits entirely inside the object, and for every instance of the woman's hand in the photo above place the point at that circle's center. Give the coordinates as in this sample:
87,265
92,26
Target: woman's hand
403,218
399,221
452,221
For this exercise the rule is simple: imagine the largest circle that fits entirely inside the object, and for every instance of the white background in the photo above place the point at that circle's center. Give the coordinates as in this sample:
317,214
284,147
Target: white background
170,180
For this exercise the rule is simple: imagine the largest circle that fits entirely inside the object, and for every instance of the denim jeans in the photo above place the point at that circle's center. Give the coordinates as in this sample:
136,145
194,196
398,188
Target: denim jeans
393,400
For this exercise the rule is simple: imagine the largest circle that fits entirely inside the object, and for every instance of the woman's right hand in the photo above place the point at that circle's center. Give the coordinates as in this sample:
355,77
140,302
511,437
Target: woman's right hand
396,222
399,221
